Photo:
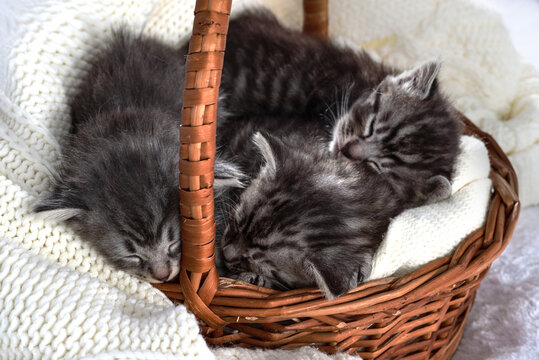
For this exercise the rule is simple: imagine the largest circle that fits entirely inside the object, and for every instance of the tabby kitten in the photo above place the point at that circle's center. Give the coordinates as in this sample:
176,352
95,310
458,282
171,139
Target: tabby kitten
117,183
407,131
306,219
399,123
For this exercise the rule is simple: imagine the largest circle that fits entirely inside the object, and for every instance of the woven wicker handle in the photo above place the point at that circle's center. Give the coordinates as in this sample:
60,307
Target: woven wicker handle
198,274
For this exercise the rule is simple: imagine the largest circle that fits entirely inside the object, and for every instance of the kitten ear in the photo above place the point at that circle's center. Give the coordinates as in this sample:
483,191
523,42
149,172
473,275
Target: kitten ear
228,175
56,206
421,80
335,272
59,214
271,149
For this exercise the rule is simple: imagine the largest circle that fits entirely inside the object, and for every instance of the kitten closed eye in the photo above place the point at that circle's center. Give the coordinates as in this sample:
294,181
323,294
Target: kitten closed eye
374,165
133,258
174,248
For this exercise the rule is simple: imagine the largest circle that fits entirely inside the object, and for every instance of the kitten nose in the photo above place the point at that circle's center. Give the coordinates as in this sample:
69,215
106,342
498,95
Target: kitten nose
161,272
352,150
228,252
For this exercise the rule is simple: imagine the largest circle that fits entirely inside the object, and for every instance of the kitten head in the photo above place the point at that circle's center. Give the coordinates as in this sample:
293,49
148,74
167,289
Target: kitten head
118,188
304,221
404,129
134,237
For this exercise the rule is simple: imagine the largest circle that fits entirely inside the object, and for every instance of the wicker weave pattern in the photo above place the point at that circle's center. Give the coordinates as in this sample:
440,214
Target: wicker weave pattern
198,275
419,316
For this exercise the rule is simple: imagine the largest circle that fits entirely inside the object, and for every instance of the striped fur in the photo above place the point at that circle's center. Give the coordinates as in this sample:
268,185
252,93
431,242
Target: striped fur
306,219
407,131
272,70
397,122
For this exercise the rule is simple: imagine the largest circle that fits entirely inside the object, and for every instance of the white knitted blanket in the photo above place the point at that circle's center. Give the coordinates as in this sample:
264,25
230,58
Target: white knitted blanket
58,299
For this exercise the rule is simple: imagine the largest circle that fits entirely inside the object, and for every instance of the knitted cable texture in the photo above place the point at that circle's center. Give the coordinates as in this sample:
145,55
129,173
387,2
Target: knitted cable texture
50,311
58,298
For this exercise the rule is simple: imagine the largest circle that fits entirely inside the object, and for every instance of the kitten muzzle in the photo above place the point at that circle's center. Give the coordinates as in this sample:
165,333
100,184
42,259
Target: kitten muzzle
353,150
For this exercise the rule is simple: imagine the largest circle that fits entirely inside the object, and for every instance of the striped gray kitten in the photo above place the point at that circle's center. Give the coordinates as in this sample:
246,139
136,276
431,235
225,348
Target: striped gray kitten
117,182
306,218
397,122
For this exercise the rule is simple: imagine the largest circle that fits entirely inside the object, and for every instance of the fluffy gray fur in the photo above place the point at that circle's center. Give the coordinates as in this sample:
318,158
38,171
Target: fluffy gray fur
306,219
117,184
397,122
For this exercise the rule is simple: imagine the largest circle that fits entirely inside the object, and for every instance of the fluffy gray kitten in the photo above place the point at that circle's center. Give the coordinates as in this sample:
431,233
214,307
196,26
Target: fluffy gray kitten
306,218
397,122
117,183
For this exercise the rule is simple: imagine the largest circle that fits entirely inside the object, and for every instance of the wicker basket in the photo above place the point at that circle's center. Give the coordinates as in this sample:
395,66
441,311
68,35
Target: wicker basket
418,316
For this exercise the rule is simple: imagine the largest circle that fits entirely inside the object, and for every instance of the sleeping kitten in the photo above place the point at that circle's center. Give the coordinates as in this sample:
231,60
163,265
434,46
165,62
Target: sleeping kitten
235,145
117,184
306,219
399,123
406,130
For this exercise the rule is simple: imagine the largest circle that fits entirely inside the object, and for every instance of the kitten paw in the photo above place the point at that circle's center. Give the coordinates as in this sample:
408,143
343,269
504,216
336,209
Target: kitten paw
251,278
439,188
